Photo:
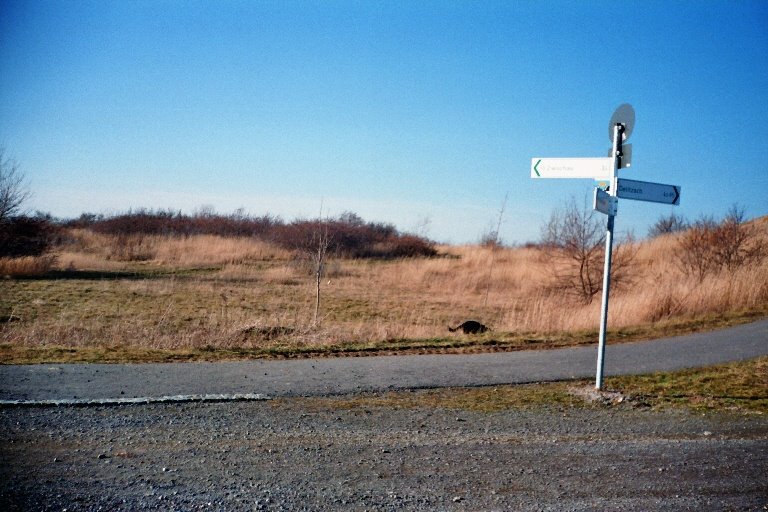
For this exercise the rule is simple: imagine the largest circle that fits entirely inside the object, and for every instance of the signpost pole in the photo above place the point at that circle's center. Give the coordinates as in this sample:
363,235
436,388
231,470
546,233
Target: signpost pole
618,130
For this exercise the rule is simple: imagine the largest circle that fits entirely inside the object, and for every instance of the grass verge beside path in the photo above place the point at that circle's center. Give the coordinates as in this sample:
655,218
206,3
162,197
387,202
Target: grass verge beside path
11,353
739,387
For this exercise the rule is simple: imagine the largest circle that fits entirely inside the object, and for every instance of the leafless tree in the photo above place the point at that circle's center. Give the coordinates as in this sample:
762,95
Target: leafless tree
738,242
492,240
13,187
574,239
319,253
694,256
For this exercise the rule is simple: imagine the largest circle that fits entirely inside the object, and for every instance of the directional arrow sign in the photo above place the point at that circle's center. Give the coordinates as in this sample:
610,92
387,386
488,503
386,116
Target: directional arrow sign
595,168
645,191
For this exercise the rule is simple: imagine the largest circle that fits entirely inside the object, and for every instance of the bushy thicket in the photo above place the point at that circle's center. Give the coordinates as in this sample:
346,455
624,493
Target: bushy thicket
708,246
667,224
26,236
348,235
170,223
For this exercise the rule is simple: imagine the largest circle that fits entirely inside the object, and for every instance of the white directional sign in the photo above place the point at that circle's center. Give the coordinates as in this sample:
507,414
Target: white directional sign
595,168
645,191
604,202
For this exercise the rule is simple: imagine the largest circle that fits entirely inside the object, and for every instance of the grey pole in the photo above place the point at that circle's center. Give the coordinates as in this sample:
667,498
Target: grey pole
618,130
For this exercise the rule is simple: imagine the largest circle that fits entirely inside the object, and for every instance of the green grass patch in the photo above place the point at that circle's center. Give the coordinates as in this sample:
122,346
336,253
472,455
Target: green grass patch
741,386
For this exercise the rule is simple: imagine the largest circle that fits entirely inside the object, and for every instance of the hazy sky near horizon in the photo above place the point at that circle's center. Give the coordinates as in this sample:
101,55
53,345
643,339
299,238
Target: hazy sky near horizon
425,114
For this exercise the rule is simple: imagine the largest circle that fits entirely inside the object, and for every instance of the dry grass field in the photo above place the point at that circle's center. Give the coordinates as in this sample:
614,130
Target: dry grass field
148,297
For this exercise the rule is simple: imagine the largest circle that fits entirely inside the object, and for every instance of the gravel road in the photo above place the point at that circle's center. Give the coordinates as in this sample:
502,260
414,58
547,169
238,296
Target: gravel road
313,454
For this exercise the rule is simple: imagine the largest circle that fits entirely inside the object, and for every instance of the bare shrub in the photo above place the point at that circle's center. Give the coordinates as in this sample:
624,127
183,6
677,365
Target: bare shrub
708,247
736,242
695,255
403,246
352,238
665,225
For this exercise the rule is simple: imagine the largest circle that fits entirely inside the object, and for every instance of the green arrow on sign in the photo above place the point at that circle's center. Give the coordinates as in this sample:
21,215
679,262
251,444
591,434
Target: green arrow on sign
535,168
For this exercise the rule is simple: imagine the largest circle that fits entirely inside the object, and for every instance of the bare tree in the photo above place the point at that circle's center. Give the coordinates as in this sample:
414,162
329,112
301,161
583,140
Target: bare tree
492,240
694,256
738,242
13,187
312,245
319,247
574,238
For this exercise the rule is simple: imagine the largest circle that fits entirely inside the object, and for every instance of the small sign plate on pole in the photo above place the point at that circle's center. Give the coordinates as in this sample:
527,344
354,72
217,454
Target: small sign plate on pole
595,168
646,191
604,202
626,156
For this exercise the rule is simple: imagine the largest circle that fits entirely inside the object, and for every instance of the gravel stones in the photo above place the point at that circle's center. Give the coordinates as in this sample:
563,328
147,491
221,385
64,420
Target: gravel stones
292,454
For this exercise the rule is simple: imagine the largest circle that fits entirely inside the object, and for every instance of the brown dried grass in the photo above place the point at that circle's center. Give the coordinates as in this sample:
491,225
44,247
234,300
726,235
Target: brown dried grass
95,251
241,293
26,266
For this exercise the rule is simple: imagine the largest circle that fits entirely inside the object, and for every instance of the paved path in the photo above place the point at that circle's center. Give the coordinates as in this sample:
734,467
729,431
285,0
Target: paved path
355,374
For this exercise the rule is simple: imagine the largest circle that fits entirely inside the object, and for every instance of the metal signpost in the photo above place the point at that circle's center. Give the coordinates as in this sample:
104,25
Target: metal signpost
606,201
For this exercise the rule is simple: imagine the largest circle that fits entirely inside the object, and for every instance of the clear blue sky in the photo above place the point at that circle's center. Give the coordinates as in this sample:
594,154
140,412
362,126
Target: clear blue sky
420,113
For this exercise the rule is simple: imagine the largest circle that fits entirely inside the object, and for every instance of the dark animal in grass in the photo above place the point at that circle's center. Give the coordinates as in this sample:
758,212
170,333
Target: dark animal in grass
470,327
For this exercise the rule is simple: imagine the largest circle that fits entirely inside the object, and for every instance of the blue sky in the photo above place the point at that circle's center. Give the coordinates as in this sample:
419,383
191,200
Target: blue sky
424,114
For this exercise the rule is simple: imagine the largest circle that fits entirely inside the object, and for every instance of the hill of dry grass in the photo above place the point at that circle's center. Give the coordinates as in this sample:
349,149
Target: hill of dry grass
208,296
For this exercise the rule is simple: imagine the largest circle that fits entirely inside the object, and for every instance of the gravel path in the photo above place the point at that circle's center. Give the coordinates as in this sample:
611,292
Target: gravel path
310,454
